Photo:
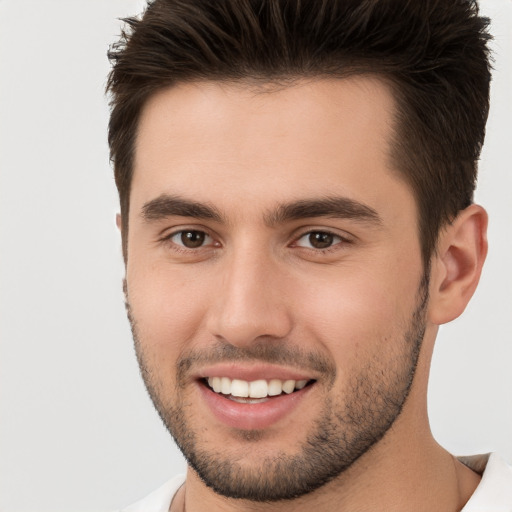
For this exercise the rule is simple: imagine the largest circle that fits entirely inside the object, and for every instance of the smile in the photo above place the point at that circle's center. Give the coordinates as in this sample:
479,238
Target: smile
258,390
254,403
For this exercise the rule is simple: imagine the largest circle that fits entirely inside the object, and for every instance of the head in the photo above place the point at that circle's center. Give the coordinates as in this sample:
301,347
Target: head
286,175
432,54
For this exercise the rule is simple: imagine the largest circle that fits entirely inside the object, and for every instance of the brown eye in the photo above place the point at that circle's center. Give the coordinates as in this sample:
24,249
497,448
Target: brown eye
319,240
191,239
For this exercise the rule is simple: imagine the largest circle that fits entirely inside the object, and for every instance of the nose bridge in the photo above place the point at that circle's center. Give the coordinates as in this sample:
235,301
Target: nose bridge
249,304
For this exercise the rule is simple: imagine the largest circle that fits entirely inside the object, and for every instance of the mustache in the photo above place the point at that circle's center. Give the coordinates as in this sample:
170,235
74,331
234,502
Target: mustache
262,351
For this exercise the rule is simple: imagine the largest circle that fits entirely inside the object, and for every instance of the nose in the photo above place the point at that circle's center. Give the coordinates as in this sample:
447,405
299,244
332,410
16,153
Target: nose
250,303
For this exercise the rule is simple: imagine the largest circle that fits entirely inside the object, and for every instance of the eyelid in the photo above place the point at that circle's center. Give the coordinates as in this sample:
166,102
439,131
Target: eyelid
167,235
177,233
341,241
344,236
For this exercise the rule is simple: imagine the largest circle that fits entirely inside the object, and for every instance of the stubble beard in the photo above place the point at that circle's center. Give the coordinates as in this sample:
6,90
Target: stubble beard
344,431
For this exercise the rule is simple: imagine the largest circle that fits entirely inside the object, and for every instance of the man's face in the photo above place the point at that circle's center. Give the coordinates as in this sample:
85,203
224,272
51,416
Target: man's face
273,252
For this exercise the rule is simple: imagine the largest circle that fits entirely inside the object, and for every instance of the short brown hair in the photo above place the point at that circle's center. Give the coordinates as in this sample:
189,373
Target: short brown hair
434,53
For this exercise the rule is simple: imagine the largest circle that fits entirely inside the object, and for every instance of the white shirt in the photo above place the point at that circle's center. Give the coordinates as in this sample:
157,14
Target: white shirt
493,494
160,499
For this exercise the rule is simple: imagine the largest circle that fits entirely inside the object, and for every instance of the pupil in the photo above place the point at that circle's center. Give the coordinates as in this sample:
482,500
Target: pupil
192,239
321,240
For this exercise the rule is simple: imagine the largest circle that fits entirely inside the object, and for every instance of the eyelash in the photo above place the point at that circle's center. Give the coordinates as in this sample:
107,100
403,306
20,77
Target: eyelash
334,247
167,239
183,249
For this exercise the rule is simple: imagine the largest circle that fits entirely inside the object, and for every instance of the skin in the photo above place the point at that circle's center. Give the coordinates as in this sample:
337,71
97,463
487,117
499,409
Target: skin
254,282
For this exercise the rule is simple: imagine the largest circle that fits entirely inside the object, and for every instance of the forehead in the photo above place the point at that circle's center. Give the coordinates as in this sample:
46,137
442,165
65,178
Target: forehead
220,142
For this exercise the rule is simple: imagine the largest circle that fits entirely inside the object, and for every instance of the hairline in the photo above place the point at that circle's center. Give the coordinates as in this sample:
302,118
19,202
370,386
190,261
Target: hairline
268,84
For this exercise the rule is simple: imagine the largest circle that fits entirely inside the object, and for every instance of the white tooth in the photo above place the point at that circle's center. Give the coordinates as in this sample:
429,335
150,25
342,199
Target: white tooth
210,382
258,389
216,384
288,386
225,386
275,387
300,384
239,388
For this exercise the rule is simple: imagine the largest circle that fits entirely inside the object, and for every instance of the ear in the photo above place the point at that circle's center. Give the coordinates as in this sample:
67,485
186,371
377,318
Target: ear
118,221
457,264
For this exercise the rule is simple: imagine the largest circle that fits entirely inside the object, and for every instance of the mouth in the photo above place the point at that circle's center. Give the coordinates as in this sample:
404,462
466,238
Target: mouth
256,396
266,403
256,391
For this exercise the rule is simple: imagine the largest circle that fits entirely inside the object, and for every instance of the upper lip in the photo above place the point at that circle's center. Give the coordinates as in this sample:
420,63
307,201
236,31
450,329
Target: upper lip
252,372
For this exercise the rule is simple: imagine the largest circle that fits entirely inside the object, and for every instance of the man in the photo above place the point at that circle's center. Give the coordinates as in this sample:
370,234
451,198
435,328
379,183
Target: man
296,182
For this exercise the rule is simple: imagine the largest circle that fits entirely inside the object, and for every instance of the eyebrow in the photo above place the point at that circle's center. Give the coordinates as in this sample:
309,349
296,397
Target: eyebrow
168,206
332,207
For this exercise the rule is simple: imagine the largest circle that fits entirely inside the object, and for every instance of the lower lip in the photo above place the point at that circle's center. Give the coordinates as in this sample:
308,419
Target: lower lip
252,416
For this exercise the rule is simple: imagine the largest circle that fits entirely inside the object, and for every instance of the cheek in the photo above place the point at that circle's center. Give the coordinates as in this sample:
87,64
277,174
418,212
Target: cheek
168,309
356,315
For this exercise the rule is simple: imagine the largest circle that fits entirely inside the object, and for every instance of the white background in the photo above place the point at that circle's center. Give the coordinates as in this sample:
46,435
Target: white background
77,432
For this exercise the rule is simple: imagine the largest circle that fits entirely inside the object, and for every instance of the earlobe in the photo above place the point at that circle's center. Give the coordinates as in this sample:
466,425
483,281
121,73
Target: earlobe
118,221
457,264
